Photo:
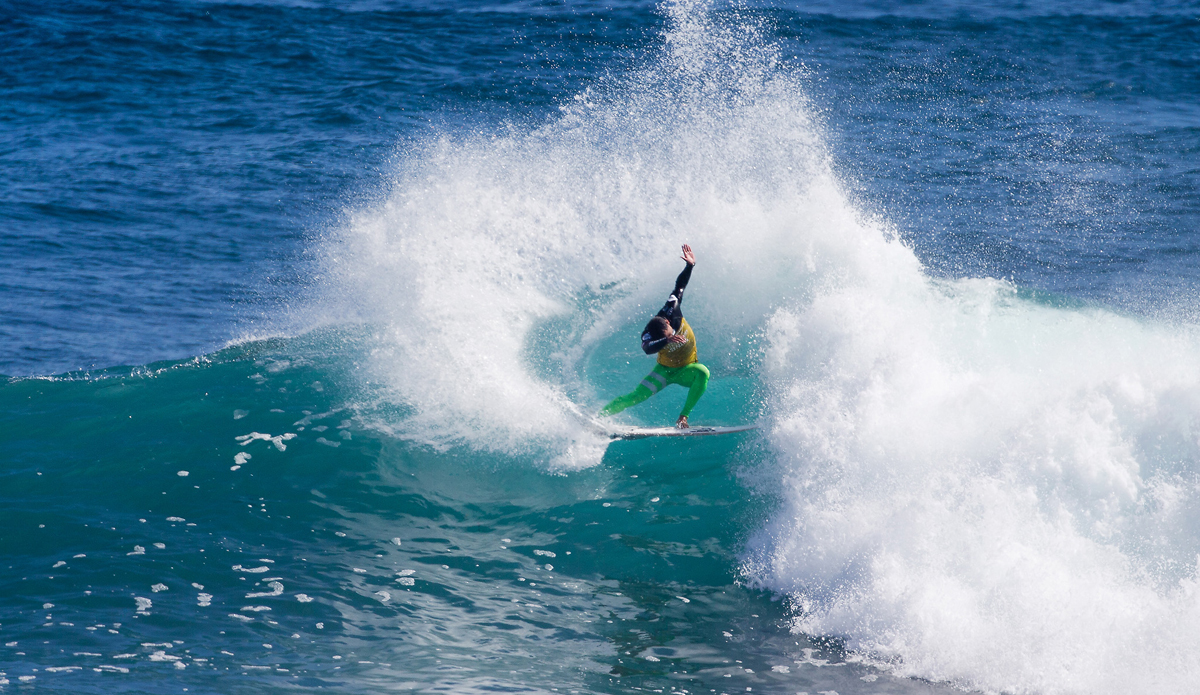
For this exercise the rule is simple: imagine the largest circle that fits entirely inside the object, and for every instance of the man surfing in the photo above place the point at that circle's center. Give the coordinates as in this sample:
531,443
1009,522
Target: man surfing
670,337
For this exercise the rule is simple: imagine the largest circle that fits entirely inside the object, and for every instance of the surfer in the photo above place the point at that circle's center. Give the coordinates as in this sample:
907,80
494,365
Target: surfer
670,337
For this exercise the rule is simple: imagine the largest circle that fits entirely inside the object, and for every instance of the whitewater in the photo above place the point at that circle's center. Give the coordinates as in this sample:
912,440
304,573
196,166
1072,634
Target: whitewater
961,482
974,484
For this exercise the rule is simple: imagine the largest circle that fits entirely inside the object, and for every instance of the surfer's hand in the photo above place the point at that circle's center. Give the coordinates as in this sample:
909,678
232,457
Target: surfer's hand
688,256
682,423
677,339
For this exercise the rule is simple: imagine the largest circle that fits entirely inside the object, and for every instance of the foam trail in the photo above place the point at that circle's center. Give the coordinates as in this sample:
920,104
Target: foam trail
486,239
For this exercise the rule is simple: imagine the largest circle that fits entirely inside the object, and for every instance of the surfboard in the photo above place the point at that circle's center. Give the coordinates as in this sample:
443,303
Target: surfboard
693,431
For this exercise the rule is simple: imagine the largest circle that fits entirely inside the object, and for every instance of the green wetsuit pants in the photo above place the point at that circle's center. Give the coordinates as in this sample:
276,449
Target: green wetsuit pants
693,376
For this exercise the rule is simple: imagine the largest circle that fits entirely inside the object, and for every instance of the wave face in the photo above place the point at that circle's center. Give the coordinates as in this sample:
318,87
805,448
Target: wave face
229,524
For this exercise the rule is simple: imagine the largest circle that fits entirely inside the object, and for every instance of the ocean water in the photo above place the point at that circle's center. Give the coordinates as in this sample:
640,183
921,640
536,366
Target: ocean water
304,304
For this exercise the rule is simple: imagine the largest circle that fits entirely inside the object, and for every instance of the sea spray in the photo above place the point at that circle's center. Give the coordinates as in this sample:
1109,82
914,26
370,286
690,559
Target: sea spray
485,239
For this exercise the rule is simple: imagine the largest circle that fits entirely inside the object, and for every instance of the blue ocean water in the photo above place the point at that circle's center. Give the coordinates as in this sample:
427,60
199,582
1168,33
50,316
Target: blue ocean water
303,301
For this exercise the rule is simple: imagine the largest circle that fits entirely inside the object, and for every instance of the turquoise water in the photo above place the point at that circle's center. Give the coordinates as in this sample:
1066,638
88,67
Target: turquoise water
398,567
306,305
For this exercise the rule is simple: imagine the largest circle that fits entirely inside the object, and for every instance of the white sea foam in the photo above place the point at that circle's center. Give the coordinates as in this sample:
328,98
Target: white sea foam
998,492
276,590
277,440
973,485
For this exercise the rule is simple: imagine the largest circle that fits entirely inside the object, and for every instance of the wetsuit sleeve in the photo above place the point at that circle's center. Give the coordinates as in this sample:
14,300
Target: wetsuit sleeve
682,281
672,311
652,346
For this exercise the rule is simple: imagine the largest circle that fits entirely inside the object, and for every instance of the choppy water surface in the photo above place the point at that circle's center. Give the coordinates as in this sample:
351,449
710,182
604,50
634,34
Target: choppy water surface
376,257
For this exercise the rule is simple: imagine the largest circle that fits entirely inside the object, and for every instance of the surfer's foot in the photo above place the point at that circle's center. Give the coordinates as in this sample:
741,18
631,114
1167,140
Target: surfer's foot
681,423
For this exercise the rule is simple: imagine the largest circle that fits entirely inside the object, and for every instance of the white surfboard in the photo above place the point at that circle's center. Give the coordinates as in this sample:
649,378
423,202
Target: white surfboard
693,431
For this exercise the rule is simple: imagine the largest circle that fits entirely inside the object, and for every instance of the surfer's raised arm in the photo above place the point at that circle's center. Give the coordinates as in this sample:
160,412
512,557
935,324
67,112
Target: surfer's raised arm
667,321
675,301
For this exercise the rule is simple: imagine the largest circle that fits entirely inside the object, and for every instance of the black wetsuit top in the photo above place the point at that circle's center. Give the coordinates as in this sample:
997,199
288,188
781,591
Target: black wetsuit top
672,311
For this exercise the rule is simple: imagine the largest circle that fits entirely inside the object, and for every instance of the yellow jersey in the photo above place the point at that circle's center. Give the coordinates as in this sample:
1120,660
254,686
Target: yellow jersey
679,354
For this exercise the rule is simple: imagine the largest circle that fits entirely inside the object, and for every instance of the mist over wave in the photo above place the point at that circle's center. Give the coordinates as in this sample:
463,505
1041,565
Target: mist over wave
973,484
486,239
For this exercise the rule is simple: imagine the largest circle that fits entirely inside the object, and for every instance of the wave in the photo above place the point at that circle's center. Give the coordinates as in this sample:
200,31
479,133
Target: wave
973,485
